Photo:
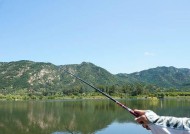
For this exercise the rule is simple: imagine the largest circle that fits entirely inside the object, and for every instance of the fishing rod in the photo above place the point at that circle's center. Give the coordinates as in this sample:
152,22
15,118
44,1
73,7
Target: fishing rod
108,96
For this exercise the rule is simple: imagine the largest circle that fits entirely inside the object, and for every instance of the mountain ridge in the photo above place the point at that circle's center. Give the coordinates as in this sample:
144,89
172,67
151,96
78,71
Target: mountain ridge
41,76
164,76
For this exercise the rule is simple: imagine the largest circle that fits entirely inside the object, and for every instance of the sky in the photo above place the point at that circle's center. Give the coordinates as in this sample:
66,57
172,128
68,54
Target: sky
121,36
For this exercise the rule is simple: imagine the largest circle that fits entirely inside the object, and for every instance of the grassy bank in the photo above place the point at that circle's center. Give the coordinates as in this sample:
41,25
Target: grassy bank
93,95
54,97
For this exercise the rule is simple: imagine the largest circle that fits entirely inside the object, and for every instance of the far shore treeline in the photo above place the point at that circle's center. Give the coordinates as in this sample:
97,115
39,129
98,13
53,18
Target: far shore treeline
24,80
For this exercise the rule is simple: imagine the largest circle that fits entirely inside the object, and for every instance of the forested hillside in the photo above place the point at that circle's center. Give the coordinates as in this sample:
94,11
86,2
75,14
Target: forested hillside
38,78
164,77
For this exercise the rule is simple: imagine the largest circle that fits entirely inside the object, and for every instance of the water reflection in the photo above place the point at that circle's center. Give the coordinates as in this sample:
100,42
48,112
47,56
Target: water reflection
120,128
80,117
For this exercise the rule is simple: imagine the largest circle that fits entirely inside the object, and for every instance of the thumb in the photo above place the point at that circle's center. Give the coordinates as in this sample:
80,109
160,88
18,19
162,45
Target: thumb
139,112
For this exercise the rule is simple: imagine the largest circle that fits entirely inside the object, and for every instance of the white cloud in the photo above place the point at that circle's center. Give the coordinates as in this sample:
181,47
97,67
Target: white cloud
149,54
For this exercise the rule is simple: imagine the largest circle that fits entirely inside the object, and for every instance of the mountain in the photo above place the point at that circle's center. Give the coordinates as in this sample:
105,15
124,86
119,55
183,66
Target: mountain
41,77
91,73
163,77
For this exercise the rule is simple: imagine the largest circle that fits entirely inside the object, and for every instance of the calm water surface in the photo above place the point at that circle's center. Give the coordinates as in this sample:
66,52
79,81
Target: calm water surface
81,116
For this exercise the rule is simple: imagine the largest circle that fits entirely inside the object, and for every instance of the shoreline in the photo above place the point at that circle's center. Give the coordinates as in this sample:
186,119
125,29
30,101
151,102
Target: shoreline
87,97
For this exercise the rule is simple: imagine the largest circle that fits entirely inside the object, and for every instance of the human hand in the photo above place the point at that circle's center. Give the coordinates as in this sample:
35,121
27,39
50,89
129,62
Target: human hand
142,119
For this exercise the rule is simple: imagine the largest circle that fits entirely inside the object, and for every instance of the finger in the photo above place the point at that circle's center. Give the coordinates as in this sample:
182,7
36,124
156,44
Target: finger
146,126
139,120
142,119
139,112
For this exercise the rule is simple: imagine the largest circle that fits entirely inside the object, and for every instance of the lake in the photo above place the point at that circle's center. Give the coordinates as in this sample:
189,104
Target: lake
82,116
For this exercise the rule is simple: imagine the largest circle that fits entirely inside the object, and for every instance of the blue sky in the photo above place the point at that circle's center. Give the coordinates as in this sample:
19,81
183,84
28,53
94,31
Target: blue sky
121,36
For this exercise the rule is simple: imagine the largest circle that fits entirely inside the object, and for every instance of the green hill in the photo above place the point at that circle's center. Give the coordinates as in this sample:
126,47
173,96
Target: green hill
38,76
46,78
170,77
